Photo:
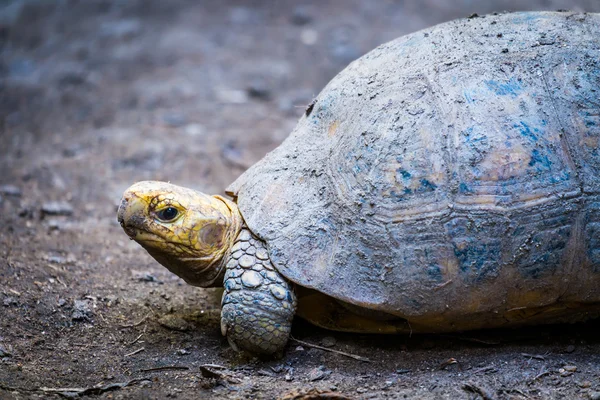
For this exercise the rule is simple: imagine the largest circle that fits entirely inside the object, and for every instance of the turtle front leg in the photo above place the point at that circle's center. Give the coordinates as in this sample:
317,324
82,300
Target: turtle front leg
258,304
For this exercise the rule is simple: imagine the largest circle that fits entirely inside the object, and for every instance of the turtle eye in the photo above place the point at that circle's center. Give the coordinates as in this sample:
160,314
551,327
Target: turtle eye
167,214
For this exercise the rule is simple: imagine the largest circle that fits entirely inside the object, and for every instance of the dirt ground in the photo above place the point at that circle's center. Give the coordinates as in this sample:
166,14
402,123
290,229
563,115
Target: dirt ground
95,95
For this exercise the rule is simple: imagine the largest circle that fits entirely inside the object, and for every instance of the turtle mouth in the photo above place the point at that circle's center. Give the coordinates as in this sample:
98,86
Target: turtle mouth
129,230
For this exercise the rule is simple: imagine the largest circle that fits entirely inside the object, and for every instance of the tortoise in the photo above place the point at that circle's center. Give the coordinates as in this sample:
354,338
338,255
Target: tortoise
448,180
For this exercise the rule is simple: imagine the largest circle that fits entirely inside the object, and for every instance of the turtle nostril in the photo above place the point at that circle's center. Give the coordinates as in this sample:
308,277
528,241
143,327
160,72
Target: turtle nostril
121,211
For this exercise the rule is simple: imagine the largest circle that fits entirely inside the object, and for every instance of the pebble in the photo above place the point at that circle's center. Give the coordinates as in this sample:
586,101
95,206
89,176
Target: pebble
174,322
10,190
301,15
328,341
9,301
4,352
232,96
194,130
182,352
585,384
123,29
61,302
309,36
318,373
57,208
258,89
174,120
567,370
570,348
595,396
82,310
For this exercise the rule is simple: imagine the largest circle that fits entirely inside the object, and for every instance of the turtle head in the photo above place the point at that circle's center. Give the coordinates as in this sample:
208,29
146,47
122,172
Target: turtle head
186,231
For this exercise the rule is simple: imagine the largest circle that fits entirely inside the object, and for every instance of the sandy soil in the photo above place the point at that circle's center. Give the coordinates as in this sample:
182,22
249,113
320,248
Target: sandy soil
95,95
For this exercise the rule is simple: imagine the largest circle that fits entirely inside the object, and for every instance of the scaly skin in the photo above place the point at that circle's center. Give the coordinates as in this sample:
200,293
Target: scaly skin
258,303
202,239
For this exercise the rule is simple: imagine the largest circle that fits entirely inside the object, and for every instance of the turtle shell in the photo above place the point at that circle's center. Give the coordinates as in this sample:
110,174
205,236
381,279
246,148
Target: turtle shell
451,172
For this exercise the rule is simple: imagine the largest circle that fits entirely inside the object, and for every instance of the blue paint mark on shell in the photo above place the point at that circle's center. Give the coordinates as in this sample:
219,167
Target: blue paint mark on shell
511,88
427,186
540,161
527,131
468,97
464,188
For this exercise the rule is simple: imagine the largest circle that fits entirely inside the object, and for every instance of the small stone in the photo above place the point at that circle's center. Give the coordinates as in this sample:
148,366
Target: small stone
317,374
174,120
564,373
82,310
246,261
570,348
362,390
585,384
251,279
595,396
309,36
229,96
301,15
261,253
145,383
61,302
182,352
57,208
10,190
279,292
9,301
4,352
174,322
570,368
195,130
288,377
258,89
299,348
144,276
328,341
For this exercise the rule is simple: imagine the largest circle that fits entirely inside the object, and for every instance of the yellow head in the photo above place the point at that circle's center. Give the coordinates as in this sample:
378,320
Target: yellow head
186,231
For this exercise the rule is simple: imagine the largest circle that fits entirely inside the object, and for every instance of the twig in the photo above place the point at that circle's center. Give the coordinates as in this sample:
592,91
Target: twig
472,388
541,374
450,361
135,352
359,358
489,368
535,356
95,390
165,368
215,366
136,339
471,339
137,323
516,391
